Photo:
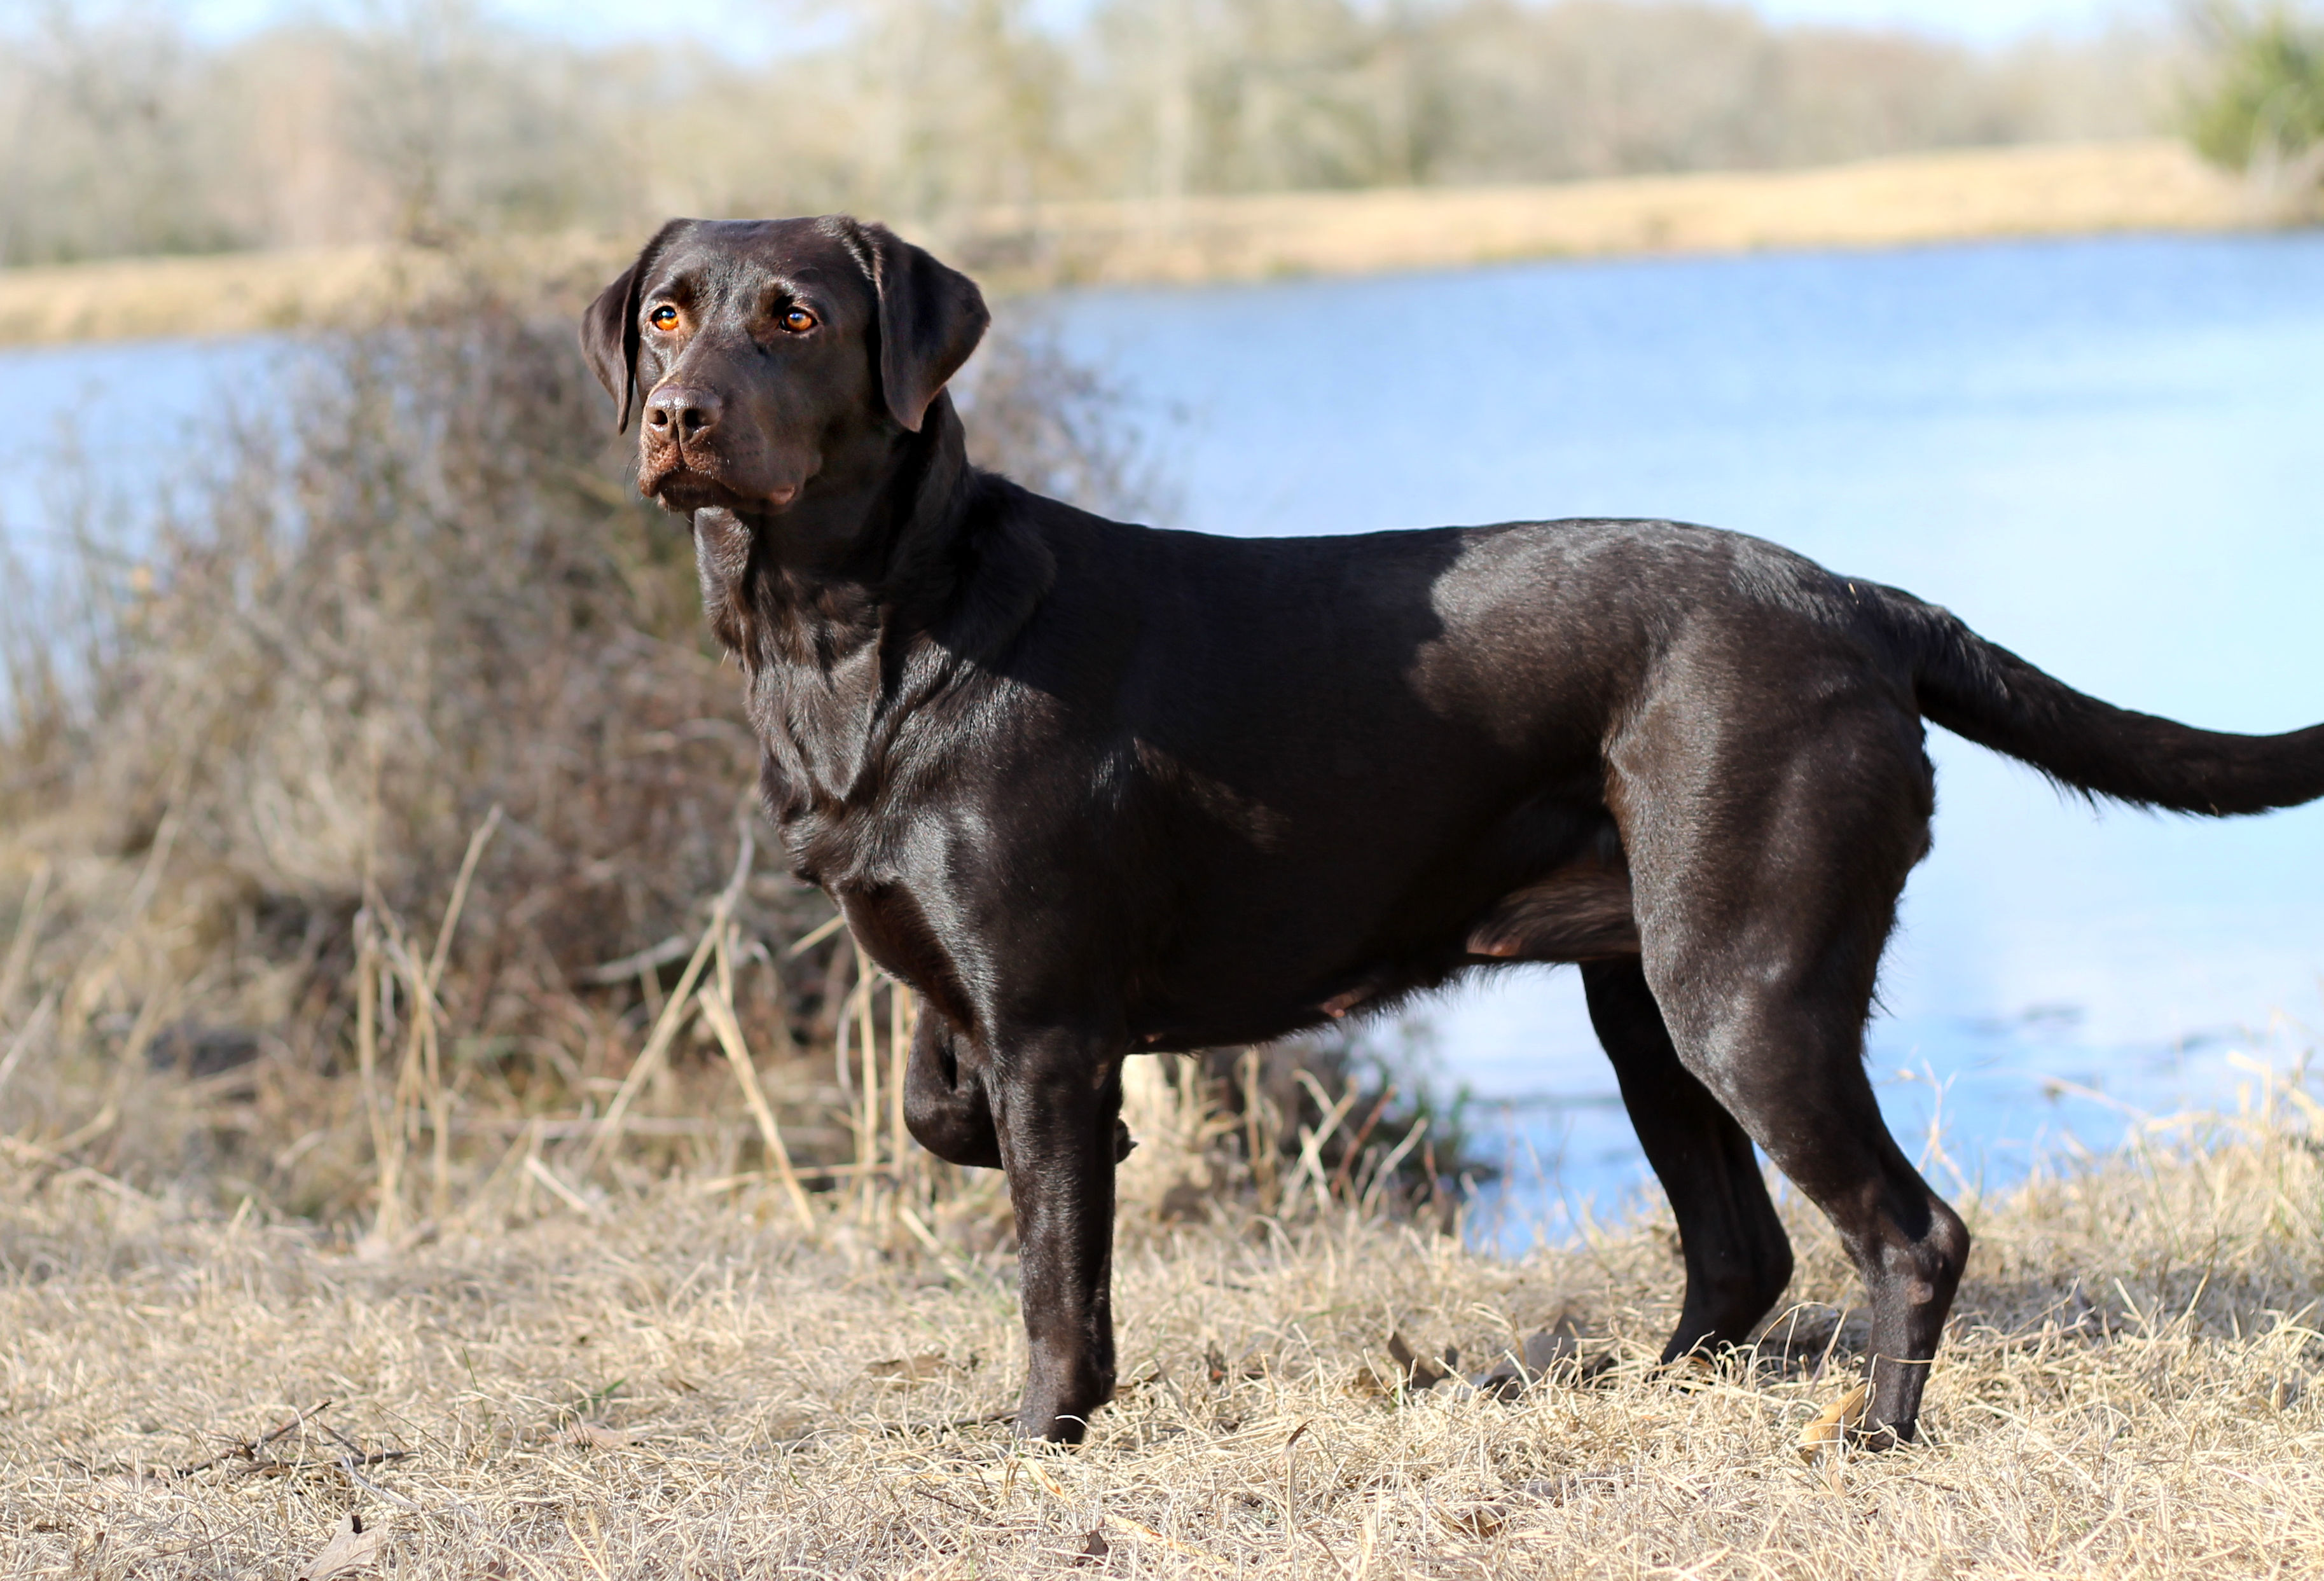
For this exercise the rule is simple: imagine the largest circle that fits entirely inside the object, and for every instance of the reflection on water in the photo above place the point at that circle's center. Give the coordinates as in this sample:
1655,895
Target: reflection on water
2102,454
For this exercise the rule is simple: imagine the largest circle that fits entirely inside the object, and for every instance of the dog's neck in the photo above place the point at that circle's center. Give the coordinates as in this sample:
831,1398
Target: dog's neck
858,603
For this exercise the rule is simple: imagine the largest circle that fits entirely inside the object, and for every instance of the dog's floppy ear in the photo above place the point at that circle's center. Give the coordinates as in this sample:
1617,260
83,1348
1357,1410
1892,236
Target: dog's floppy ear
931,317
609,329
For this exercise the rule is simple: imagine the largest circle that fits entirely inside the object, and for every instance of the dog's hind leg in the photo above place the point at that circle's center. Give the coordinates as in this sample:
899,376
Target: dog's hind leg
1738,1257
1767,875
1794,1075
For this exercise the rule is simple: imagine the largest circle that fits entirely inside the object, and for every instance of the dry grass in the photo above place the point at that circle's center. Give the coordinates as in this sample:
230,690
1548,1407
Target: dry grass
2072,190
240,293
665,1380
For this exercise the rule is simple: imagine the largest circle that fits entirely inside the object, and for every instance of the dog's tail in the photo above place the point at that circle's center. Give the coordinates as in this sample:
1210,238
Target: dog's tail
1979,690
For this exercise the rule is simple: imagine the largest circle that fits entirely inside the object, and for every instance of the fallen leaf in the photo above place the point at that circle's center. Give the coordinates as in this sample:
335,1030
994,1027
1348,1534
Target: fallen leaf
351,1548
1150,1535
1512,1375
1481,1521
1692,1371
1832,1423
916,1369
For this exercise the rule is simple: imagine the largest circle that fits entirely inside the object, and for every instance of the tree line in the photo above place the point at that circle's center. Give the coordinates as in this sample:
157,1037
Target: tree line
428,120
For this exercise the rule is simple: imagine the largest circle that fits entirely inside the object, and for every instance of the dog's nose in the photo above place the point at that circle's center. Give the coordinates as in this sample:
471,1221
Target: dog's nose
682,412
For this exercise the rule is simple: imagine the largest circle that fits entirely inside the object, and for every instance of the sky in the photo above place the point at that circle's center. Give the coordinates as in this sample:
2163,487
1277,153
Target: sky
757,24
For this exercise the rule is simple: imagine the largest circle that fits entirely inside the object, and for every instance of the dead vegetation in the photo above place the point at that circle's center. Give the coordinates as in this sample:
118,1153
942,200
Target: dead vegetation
681,1376
377,829
422,121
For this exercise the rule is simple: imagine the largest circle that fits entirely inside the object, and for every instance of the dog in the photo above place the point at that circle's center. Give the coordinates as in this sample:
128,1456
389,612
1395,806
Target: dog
1095,789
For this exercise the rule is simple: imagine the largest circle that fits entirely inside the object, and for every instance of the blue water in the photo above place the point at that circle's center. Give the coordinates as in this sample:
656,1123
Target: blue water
92,436
2107,454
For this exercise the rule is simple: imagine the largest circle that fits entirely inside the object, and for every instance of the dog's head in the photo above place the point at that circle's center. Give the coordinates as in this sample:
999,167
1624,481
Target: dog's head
776,358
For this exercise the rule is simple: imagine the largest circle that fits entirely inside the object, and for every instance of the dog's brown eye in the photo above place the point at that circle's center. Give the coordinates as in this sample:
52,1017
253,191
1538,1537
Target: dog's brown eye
663,318
798,320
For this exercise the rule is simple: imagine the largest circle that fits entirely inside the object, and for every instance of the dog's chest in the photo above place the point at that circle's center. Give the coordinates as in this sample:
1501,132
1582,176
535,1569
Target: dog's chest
849,852
835,778
818,729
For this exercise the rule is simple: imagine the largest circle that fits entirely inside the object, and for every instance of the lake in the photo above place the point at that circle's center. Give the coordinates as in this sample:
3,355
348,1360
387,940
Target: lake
2106,455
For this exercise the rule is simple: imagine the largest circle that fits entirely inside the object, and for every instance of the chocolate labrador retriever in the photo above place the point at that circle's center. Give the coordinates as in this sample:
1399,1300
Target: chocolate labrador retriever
1095,789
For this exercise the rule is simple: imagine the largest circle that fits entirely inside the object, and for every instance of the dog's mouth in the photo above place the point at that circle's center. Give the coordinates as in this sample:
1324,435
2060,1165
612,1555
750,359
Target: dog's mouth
684,489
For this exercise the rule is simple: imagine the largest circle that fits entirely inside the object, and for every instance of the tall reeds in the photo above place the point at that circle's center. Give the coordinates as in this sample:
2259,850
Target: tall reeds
376,829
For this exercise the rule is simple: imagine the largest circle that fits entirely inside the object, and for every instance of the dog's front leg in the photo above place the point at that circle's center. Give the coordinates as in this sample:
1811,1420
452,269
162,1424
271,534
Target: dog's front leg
1057,1098
946,1104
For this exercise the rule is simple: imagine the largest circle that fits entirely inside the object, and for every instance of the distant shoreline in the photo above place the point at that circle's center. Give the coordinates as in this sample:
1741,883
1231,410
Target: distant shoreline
1958,195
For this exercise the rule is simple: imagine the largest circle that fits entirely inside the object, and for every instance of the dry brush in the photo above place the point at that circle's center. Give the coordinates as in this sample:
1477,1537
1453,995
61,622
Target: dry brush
683,1376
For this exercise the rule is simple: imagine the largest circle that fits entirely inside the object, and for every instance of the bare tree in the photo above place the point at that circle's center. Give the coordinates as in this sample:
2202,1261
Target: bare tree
426,120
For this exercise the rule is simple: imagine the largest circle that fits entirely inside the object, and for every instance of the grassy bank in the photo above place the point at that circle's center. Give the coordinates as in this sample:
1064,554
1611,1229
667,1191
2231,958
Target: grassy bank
677,1378
2154,185
1962,195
